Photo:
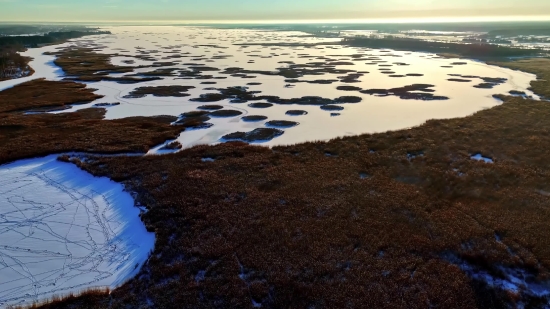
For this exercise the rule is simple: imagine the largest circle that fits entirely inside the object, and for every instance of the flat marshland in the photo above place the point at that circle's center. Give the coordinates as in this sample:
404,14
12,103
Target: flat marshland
407,218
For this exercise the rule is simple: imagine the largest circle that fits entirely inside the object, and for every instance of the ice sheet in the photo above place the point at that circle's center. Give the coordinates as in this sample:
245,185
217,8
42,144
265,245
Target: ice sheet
63,230
205,46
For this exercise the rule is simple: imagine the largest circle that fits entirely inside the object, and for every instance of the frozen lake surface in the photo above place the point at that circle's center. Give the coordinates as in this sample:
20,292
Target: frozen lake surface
185,50
63,230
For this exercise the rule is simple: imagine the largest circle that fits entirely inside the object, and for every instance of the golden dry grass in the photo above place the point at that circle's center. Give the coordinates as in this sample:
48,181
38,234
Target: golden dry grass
84,64
24,136
358,222
41,93
80,61
27,136
308,231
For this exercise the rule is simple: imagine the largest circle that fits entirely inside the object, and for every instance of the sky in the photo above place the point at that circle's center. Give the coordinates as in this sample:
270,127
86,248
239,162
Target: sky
267,10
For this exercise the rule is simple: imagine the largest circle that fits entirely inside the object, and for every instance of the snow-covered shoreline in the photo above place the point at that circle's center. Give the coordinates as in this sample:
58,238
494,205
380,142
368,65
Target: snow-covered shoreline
63,231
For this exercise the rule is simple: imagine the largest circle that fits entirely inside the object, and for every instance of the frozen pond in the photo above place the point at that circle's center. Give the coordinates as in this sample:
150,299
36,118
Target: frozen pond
212,59
63,230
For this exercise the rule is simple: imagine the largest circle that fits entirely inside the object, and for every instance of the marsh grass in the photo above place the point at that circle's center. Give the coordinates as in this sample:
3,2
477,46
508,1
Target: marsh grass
80,61
296,227
41,93
27,136
308,231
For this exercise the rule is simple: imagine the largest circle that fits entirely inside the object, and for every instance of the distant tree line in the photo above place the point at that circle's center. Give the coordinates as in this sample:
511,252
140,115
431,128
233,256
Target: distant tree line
49,38
520,31
12,64
479,50
8,29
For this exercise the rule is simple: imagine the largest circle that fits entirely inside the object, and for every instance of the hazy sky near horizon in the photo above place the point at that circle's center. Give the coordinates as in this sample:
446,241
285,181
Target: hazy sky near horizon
201,10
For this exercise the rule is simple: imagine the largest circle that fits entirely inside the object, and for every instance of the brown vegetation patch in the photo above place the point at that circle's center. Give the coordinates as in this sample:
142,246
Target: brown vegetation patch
194,120
295,227
195,114
349,88
260,105
210,107
226,113
281,123
322,81
80,61
330,107
296,112
260,224
120,80
107,104
24,136
173,146
157,72
459,80
160,91
84,131
421,92
256,135
485,86
516,92
253,118
84,64
293,70
243,95
41,93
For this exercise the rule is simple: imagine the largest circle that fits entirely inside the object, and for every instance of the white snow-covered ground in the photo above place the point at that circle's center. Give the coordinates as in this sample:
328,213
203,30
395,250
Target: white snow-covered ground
479,157
63,230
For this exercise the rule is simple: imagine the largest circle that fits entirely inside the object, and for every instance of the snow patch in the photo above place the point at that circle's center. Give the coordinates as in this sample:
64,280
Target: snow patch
479,157
63,231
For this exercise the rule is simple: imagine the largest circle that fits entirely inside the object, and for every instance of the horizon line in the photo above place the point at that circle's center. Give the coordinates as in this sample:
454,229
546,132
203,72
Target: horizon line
537,18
